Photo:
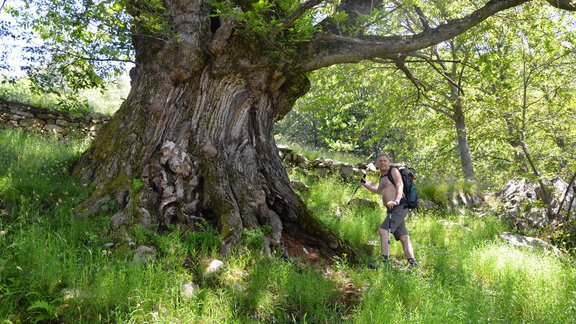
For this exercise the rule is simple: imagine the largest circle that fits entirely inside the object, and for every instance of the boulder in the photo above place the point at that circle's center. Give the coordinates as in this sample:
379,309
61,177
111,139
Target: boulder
299,186
144,254
530,242
215,266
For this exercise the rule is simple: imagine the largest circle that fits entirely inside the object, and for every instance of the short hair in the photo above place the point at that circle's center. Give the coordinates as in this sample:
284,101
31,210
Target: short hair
385,155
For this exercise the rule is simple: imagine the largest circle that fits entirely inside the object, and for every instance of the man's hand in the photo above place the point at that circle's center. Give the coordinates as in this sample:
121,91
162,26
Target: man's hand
391,204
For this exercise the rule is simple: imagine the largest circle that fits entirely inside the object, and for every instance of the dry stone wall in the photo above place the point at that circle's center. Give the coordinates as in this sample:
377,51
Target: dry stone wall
49,121
323,167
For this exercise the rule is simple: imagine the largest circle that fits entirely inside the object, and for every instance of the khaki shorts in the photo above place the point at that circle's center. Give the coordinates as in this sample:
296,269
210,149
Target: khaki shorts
398,225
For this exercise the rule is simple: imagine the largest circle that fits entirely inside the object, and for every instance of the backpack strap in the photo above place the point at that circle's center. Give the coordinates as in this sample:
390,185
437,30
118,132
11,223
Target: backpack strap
389,175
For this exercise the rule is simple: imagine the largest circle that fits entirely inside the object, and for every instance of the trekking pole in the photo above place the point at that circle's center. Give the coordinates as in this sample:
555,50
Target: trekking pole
341,214
389,215
349,201
347,204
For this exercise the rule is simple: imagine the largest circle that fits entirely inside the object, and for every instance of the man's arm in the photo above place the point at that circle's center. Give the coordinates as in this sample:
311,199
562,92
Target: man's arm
399,185
377,189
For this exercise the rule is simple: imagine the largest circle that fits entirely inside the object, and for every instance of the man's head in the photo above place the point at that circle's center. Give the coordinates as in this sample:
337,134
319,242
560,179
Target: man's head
383,162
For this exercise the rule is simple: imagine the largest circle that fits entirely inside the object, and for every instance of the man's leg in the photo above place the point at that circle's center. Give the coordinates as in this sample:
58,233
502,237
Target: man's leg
384,232
384,239
407,245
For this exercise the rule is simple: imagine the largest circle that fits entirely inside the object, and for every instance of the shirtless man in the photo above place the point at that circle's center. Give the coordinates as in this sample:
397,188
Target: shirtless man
396,213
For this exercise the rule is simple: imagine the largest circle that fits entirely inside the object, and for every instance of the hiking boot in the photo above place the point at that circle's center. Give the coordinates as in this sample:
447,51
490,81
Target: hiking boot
376,264
413,263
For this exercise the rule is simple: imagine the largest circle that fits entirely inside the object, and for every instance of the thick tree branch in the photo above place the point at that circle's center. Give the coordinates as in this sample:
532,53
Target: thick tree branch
328,49
96,59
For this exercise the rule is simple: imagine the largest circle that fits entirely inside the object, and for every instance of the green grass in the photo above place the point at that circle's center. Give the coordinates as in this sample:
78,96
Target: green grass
104,101
56,267
34,170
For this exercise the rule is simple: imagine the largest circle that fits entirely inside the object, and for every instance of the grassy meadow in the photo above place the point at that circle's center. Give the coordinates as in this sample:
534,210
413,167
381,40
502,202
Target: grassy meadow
55,267
103,101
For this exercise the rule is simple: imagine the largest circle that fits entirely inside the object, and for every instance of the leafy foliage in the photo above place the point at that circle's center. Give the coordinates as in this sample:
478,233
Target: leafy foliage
44,311
71,44
532,77
348,109
372,107
269,23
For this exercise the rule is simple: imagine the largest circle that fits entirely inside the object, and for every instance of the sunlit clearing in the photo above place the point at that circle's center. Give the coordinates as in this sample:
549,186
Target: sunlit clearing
529,282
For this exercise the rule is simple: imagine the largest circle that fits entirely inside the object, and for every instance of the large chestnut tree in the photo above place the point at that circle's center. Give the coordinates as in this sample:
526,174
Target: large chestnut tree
193,141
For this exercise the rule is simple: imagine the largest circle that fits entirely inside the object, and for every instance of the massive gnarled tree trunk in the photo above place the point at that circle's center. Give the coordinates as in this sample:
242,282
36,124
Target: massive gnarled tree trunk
193,141
195,136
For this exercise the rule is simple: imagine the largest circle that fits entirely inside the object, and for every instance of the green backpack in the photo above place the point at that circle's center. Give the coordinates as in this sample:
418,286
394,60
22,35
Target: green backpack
410,193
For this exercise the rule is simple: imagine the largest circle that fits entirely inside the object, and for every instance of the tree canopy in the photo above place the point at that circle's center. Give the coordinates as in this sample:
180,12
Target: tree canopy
81,43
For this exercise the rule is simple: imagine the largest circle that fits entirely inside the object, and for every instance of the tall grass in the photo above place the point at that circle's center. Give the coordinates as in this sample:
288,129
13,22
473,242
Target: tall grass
55,267
34,169
467,273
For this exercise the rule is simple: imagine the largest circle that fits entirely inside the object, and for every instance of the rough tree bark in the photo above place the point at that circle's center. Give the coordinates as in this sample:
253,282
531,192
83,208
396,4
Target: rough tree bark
196,134
193,141
463,146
